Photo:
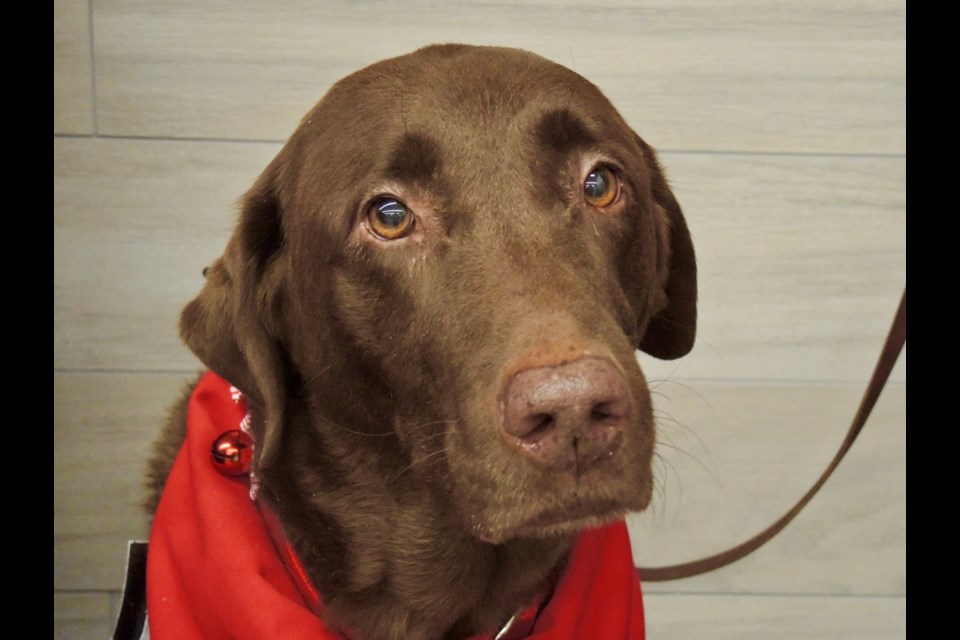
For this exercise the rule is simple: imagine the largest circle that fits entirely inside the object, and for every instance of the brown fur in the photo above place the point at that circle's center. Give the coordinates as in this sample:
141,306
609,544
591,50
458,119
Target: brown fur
373,368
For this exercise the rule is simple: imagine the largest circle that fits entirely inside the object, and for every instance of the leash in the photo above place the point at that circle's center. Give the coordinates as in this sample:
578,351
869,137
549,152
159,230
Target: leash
896,338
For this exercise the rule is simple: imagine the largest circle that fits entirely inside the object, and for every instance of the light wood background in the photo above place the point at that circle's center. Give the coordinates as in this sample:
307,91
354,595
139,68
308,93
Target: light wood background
782,125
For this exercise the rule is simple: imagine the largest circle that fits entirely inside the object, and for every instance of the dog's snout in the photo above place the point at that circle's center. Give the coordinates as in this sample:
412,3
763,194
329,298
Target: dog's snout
569,416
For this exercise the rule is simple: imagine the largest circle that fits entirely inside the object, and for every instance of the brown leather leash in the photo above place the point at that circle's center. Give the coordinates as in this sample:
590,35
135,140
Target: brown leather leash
896,338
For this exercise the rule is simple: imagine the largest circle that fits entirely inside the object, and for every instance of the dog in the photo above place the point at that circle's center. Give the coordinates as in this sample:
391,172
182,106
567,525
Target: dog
427,318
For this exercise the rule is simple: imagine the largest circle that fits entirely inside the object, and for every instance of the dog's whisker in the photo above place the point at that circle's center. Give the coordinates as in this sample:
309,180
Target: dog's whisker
661,480
697,460
365,434
656,382
307,382
422,425
666,422
692,390
417,462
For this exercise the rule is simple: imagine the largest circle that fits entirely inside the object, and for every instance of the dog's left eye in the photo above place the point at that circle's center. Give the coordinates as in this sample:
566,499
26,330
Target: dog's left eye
389,218
601,187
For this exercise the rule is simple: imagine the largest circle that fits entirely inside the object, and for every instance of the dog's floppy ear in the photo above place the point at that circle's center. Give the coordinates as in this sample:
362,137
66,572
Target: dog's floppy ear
231,325
671,332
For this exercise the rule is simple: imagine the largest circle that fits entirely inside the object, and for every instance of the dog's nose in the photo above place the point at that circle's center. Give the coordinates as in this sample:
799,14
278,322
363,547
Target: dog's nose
570,416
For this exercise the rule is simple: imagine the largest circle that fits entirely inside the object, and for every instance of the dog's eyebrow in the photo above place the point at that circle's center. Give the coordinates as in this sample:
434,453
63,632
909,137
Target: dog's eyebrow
415,157
562,131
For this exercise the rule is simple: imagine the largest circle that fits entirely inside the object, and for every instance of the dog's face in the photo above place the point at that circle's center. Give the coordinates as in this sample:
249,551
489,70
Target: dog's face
457,253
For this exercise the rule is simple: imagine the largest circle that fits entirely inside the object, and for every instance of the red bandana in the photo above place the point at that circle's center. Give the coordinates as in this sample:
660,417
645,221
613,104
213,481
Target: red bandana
214,570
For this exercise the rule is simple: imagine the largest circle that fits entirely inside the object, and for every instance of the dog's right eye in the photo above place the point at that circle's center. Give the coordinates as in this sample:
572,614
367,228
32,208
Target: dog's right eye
601,187
389,218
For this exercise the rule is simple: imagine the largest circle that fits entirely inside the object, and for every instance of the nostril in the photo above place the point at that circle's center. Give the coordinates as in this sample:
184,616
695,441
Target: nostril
535,426
605,413
544,422
600,412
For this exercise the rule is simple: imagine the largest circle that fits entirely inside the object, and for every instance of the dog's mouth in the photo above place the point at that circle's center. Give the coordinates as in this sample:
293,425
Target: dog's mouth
516,498
551,522
559,506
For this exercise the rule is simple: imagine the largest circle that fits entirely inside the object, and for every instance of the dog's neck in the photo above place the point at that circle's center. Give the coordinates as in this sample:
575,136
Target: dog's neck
386,552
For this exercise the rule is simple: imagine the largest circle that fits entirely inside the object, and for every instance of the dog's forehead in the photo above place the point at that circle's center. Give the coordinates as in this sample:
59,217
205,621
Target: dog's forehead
461,74
456,92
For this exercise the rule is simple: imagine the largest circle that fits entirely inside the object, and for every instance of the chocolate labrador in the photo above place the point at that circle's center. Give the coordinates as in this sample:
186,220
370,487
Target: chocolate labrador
430,306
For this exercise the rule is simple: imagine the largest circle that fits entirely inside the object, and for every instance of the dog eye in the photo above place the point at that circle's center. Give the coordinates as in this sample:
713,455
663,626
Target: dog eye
601,187
389,218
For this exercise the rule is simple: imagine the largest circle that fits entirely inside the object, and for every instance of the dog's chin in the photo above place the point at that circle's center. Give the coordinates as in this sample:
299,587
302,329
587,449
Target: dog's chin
554,522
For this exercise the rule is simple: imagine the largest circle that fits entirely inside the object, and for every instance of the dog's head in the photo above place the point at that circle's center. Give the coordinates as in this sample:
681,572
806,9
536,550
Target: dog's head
450,265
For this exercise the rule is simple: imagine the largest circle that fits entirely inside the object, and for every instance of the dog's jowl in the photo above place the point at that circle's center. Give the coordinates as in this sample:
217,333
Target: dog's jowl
424,330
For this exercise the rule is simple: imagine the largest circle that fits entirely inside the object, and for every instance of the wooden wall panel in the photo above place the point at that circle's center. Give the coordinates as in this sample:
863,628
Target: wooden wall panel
734,458
736,75
72,72
800,617
135,223
801,263
103,428
81,616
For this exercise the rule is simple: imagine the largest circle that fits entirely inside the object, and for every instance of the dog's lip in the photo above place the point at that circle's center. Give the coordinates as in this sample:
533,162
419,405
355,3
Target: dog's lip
555,520
563,520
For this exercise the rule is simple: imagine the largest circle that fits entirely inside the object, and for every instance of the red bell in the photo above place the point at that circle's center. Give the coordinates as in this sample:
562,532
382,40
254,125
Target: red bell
232,453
